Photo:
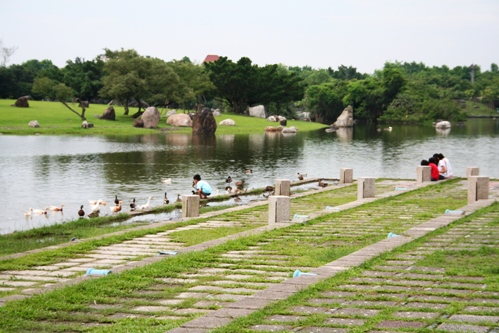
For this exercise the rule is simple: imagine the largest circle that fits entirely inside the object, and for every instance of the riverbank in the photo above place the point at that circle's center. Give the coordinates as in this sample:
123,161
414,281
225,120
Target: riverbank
55,118
233,262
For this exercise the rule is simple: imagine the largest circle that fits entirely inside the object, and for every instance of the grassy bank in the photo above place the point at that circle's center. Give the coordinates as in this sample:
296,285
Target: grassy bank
55,118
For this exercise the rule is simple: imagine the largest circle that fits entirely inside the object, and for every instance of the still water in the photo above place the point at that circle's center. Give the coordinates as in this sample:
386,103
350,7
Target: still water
41,171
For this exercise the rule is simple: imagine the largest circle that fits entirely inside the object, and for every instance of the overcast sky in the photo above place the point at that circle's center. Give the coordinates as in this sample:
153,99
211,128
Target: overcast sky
318,33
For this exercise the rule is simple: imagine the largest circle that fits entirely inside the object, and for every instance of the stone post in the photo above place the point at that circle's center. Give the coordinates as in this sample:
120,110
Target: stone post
190,205
423,174
472,171
282,187
279,209
365,188
478,188
346,176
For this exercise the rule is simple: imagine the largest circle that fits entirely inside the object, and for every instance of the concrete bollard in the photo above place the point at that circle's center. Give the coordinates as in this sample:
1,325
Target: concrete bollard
478,188
282,187
346,176
423,174
190,205
365,188
472,171
279,209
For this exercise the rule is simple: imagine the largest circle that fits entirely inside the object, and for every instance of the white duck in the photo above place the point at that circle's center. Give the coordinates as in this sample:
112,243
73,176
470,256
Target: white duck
38,211
94,202
95,208
55,208
146,205
166,181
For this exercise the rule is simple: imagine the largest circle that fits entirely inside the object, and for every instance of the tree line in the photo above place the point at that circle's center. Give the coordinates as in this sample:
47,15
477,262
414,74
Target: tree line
399,92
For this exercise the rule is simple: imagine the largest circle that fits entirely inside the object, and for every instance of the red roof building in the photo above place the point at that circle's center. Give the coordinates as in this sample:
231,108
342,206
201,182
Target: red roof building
211,58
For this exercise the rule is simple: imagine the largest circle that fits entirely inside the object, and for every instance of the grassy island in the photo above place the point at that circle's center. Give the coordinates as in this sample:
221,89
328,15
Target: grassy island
55,118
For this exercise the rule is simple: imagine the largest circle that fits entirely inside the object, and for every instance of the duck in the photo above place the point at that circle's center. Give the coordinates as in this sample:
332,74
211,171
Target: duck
228,179
95,208
301,176
81,212
117,208
389,129
239,184
165,200
248,171
132,205
269,189
55,208
178,198
166,181
28,212
322,184
228,189
146,205
238,191
38,211
116,200
94,202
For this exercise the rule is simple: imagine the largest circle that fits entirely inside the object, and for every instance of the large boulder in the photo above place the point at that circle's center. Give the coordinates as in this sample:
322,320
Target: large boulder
22,102
150,117
204,123
227,122
346,118
34,123
109,114
442,124
257,111
179,120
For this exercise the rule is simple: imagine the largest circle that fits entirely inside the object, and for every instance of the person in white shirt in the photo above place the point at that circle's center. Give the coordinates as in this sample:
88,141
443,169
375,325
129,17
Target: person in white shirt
444,166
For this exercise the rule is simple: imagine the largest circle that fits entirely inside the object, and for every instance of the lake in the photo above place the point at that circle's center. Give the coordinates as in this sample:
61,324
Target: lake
41,171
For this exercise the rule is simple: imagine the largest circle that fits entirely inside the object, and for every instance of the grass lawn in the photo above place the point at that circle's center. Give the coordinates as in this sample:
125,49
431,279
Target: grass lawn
55,118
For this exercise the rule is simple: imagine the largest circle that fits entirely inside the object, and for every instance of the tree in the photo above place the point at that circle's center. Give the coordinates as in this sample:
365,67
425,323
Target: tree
84,77
6,53
242,84
64,93
44,87
125,77
194,83
325,100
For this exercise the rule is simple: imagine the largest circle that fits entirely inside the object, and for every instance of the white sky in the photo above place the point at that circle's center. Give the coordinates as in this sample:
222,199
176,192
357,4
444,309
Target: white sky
318,33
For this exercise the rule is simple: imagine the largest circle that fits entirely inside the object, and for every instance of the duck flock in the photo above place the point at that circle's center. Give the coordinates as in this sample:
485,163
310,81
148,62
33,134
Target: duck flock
95,207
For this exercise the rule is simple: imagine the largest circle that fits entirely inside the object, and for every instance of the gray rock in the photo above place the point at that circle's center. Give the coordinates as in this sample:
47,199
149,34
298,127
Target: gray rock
204,123
346,118
34,123
227,122
109,114
179,120
150,117
257,111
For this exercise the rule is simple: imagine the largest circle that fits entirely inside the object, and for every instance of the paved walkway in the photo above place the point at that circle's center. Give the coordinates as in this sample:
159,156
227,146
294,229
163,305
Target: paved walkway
247,297
424,294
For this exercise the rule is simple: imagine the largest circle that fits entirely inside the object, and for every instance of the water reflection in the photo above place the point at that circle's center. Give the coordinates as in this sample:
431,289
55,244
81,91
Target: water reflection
443,131
345,134
40,171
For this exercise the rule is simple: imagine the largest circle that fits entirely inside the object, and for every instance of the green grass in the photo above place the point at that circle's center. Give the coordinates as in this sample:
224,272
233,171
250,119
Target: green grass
480,109
55,118
69,308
